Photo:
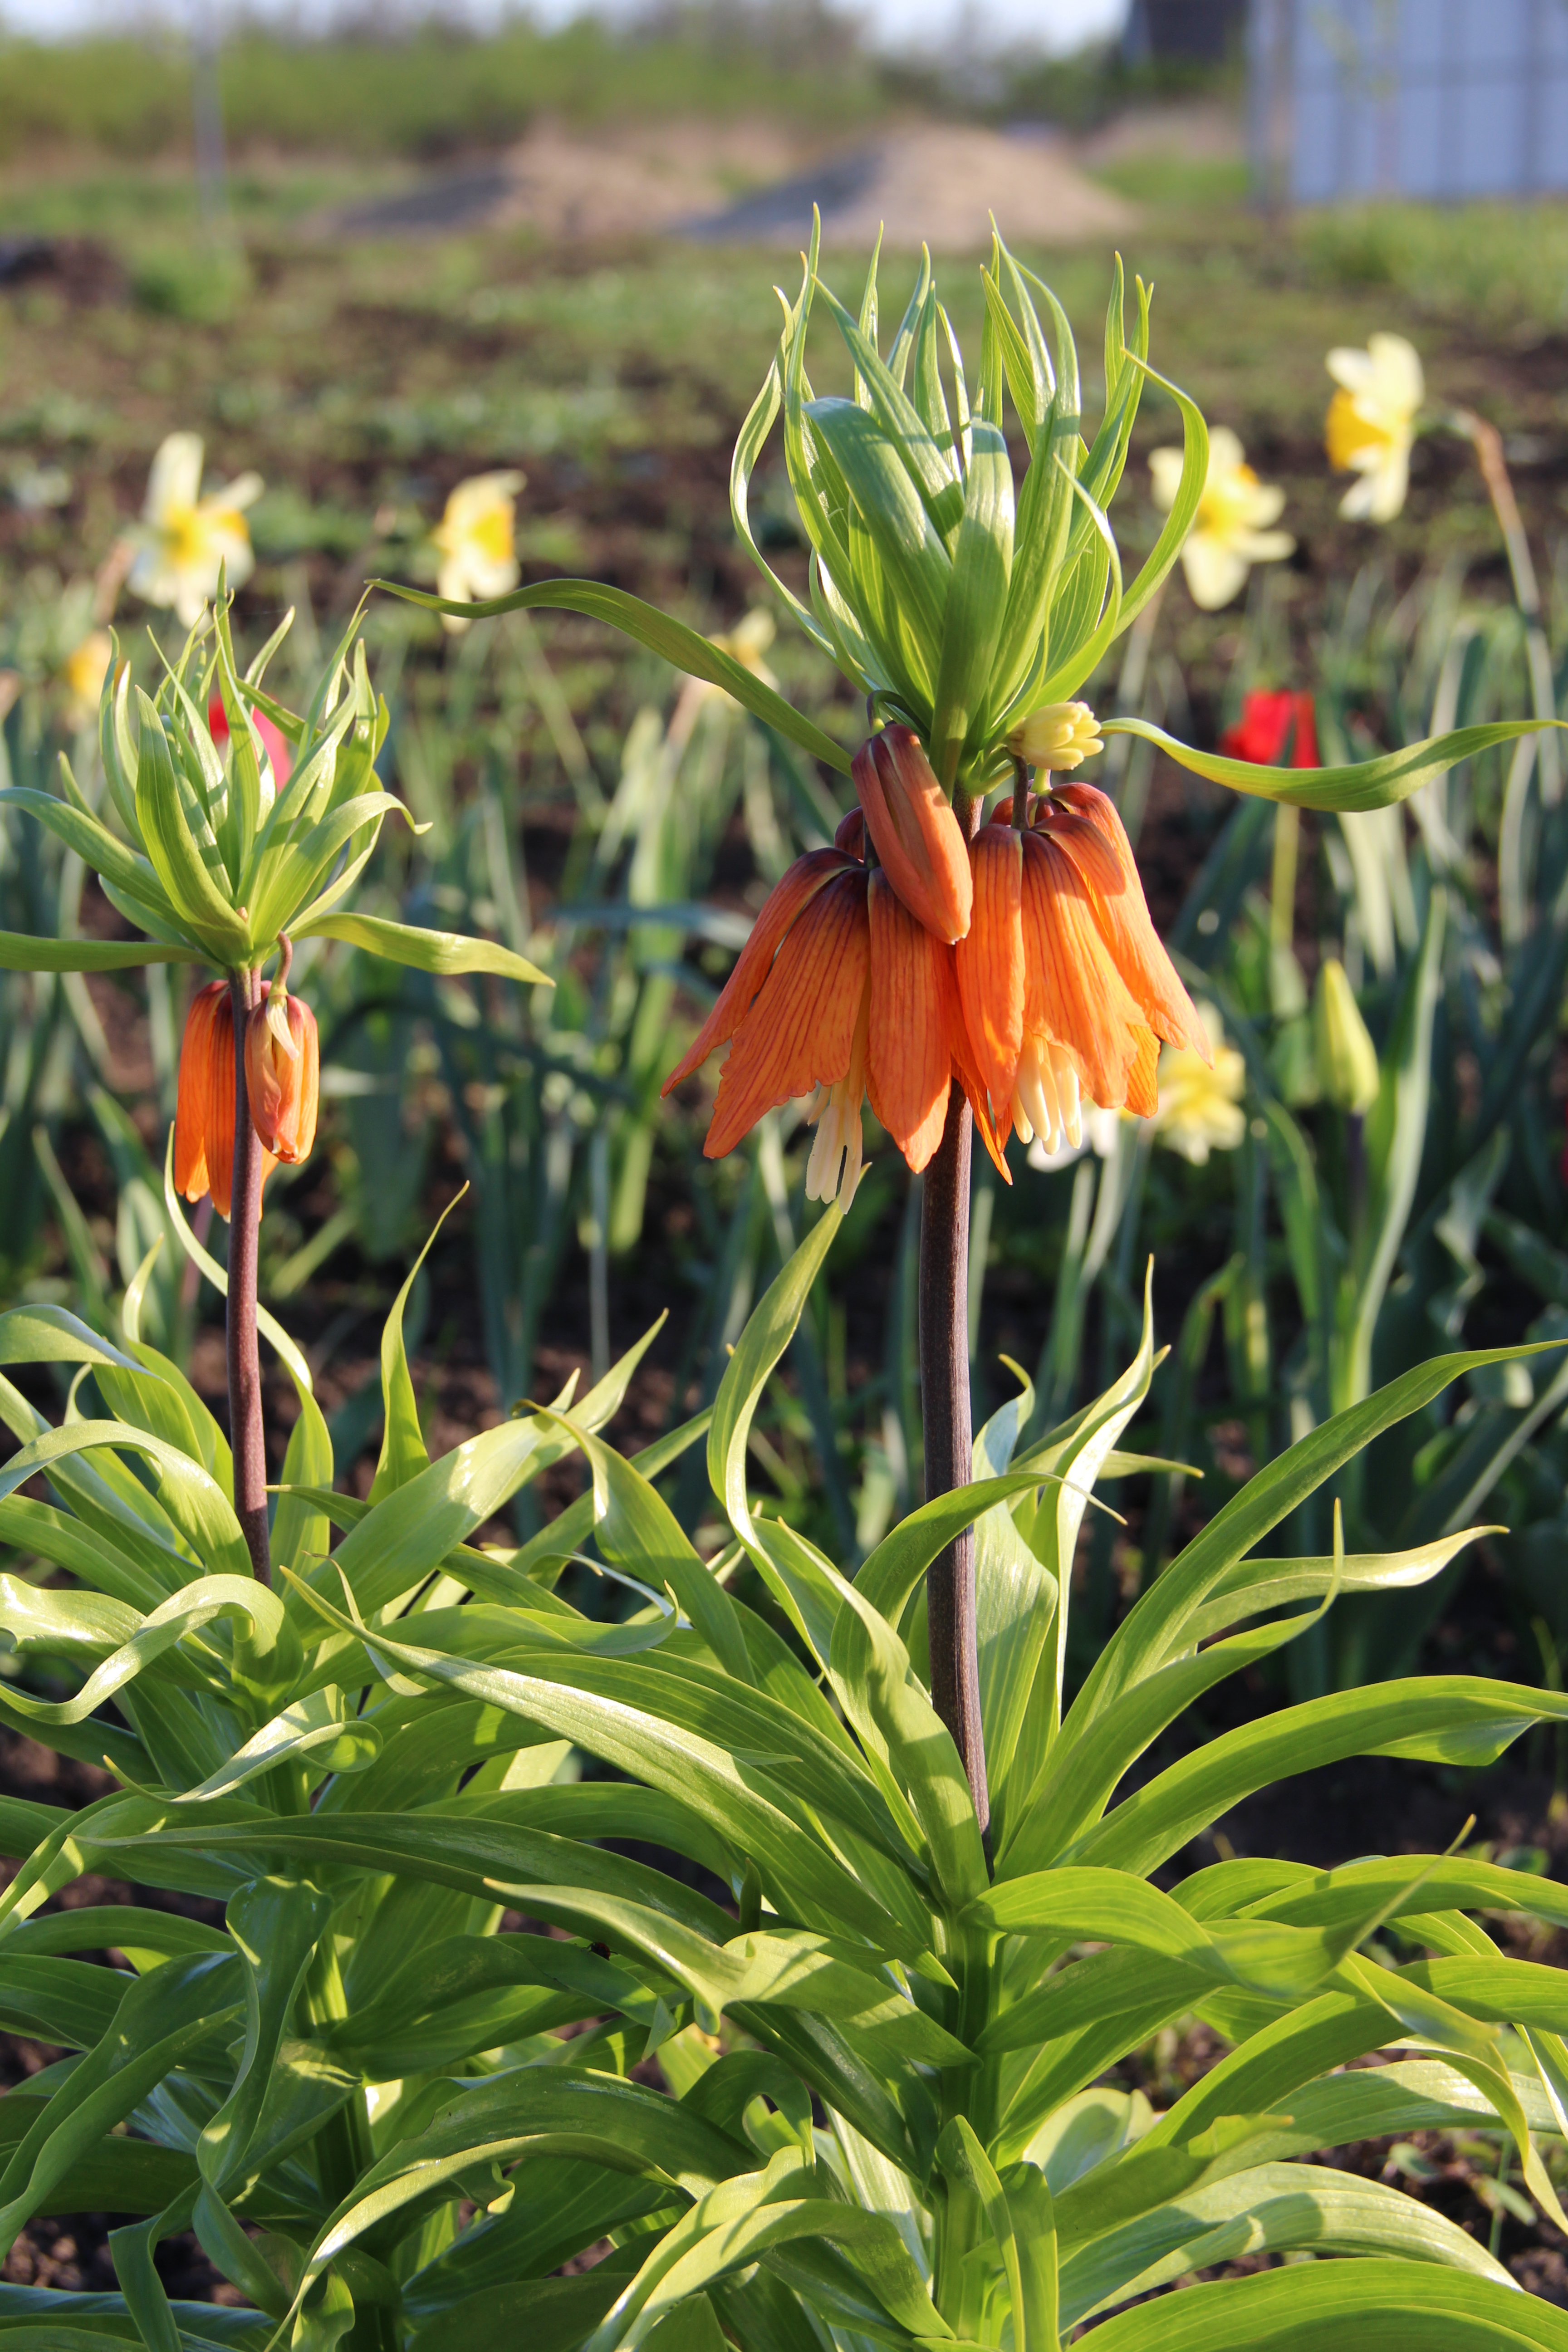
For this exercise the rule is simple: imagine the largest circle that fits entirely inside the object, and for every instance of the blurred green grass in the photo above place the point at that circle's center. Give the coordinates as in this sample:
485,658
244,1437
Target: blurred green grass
430,93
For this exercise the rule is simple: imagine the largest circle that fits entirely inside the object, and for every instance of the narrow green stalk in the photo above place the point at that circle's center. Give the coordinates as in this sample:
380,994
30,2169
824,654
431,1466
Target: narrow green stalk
246,1435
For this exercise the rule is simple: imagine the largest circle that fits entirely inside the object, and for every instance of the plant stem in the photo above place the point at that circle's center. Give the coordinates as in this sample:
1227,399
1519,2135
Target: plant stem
944,1416
246,1435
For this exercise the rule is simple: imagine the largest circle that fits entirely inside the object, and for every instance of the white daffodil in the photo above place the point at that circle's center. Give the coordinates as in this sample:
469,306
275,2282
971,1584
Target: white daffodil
182,540
1371,424
1232,529
476,540
1200,1109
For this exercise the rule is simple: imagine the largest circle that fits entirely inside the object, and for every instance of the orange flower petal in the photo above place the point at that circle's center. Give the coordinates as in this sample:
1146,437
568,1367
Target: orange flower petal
914,1017
196,1049
783,905
283,1088
989,959
1075,995
1096,840
1142,1081
800,1032
993,1130
916,835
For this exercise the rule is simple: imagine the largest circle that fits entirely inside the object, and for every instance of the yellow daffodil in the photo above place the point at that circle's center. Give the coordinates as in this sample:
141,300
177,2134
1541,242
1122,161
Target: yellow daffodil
1061,736
476,540
1371,424
1232,529
1200,1109
82,676
184,540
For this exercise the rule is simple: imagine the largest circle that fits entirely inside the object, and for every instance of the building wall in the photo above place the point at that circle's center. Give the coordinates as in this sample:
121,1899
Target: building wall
1440,98
1208,31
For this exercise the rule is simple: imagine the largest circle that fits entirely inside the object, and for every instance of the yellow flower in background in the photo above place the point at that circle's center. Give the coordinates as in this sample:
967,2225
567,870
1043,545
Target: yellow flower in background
476,540
1371,424
747,643
82,674
1232,529
184,540
1200,1109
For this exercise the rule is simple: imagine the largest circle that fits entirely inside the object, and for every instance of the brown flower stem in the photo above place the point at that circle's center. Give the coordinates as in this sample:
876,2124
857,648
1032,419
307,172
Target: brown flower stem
949,1456
246,1435
944,1417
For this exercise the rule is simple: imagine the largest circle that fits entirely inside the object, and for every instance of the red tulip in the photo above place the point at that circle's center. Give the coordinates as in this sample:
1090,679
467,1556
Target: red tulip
1266,723
279,750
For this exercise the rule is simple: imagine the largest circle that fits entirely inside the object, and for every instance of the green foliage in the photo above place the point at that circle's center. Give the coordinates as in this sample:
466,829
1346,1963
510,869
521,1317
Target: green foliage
358,2093
430,93
213,858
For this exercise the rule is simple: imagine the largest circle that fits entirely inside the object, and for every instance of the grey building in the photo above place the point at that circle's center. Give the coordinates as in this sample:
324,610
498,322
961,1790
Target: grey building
1438,99
1202,32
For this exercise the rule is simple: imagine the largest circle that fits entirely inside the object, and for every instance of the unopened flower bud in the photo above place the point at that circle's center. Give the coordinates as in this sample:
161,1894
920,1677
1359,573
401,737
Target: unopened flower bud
1347,1058
282,1072
914,831
1059,735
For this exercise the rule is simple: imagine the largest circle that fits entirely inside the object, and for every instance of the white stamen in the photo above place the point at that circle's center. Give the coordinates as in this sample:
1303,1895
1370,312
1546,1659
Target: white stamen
835,1114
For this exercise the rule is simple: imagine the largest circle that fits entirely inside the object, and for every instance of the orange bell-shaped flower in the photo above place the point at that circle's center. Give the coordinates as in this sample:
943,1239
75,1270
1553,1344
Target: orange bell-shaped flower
839,996
1065,988
204,1114
283,1073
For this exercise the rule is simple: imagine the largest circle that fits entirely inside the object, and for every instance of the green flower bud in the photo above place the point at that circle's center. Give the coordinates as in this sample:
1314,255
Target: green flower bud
1347,1058
1061,735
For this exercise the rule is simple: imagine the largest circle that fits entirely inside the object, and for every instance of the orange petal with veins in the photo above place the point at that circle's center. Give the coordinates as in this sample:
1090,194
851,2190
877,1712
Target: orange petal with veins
1075,995
800,1032
914,831
781,909
914,1014
1096,840
208,1015
989,961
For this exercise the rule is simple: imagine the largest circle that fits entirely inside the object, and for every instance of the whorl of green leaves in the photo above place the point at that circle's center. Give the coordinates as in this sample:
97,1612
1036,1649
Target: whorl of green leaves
954,599
212,860
356,2093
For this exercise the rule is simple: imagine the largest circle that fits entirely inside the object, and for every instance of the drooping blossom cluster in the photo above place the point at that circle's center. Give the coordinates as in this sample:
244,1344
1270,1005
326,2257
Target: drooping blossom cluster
1020,965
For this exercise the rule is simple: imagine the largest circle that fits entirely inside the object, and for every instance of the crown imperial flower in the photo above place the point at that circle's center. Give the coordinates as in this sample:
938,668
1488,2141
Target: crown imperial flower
1371,424
282,1074
1065,987
1232,529
204,1113
841,996
184,541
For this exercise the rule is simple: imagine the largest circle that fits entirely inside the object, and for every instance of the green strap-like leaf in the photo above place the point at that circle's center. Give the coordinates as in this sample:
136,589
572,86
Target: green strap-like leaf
682,647
20,953
445,952
1371,784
